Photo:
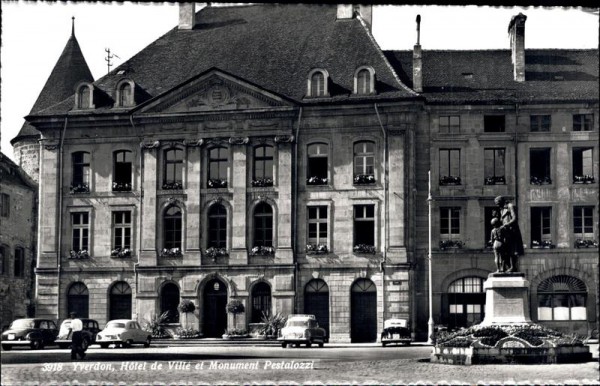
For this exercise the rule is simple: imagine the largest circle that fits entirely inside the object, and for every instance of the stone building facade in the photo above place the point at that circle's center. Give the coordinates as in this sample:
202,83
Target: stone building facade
294,178
18,207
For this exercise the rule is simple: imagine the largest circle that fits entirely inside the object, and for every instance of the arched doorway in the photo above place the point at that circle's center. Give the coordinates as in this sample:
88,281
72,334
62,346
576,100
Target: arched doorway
316,302
464,302
261,301
215,315
169,300
78,300
120,301
363,310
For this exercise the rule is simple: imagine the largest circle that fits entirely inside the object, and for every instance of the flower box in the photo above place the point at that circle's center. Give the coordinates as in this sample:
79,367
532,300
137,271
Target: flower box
316,181
213,253
120,252
121,187
316,249
171,252
585,179
262,251
495,180
174,185
79,188
540,181
364,248
544,244
450,180
82,254
364,179
262,182
579,243
214,183
451,244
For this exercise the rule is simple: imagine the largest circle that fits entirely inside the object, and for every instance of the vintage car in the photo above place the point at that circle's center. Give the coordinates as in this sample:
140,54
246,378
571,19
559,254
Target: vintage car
90,330
123,332
395,331
33,332
302,329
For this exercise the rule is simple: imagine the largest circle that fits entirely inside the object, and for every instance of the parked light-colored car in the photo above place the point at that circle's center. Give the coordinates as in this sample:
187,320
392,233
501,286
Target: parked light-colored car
123,332
33,332
302,329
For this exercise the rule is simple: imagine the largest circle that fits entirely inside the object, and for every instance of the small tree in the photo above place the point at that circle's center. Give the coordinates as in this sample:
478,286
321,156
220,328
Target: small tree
186,306
235,307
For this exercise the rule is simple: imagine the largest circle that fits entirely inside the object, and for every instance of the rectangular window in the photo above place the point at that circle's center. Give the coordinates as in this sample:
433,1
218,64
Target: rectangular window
4,205
173,169
122,171
541,232
493,166
19,262
364,225
449,222
317,225
493,123
122,230
317,164
81,172
583,222
539,166
450,167
583,165
583,122
539,123
3,260
80,229
449,124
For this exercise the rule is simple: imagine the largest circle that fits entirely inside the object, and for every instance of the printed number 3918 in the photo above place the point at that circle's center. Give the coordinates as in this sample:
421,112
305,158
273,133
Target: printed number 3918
52,367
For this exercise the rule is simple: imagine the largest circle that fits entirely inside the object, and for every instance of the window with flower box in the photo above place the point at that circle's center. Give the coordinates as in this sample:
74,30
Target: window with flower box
364,229
539,123
562,297
364,163
539,166
217,227
19,267
450,232
80,228
583,165
317,230
541,227
262,172
263,230
121,234
583,227
172,232
173,169
450,167
80,182
317,164
218,165
583,122
449,124
123,161
494,166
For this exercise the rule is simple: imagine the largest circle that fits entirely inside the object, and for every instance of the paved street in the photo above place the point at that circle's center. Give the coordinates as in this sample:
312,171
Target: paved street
346,364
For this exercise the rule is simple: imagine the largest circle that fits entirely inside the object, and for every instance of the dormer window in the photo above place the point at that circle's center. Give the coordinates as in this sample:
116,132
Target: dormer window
318,80
124,94
84,97
364,81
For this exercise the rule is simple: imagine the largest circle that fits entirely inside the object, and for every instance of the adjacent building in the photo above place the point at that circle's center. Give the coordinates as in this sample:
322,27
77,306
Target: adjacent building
274,154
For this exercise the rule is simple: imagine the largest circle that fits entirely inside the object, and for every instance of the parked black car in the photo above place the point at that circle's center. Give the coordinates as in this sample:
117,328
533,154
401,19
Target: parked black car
91,328
33,332
395,331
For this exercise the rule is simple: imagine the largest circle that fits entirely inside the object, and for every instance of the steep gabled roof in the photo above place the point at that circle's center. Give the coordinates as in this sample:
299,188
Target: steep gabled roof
551,75
273,46
70,69
11,173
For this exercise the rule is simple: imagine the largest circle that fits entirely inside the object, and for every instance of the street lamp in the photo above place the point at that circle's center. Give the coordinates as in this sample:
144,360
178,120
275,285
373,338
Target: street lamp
430,286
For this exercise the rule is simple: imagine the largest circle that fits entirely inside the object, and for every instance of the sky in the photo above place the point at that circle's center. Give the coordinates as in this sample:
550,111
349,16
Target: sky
35,33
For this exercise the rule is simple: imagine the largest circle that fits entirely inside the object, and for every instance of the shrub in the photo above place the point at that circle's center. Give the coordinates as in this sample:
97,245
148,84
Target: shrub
272,323
186,306
154,325
236,332
187,333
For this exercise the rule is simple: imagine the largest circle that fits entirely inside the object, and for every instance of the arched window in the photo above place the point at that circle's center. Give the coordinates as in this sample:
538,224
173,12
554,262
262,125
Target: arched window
261,302
80,182
173,169
84,97
262,173
364,162
318,165
120,301
466,302
364,80
172,222
78,300
562,297
122,167
317,83
19,268
125,94
263,225
217,226
169,300
218,162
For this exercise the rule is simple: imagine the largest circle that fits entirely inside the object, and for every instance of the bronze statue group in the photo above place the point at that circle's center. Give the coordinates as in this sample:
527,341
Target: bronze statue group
506,239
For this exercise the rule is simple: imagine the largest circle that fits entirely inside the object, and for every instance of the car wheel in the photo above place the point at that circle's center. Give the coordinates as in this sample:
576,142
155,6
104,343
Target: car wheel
103,345
147,342
284,345
321,345
6,347
308,345
408,343
382,344
36,344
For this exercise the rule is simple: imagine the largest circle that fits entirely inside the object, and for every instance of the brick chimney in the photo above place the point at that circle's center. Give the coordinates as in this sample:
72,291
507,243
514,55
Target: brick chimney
418,60
516,32
187,15
348,11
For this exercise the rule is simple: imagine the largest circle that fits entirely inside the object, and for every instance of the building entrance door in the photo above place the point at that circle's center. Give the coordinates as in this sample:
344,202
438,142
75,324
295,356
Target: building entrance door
316,302
363,310
215,315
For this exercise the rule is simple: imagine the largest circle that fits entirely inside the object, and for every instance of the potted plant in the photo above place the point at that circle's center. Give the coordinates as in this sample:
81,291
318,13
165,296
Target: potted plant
235,307
272,324
184,307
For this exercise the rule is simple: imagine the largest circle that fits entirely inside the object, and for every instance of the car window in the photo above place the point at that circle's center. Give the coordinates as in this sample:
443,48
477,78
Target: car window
136,325
44,325
115,325
22,323
51,325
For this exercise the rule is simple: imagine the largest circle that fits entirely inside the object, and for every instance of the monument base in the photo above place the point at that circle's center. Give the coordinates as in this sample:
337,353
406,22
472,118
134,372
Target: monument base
506,299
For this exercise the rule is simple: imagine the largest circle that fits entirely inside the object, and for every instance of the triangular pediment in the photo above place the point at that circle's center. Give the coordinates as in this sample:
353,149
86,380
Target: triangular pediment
214,91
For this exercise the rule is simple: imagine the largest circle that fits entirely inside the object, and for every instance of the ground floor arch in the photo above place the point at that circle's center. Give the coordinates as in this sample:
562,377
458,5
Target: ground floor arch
316,301
214,309
363,310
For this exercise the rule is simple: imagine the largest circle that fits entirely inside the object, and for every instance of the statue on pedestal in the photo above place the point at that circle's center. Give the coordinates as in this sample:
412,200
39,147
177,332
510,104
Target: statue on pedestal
506,236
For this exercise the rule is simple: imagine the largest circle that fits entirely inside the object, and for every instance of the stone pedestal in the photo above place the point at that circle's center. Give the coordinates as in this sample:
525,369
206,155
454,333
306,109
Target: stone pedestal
506,299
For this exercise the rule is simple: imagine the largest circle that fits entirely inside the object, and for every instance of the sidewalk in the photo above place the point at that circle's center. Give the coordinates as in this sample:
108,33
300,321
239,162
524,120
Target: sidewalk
256,342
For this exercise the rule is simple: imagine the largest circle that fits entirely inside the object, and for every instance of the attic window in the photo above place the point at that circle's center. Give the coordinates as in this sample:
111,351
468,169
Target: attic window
364,81
318,80
84,96
125,93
